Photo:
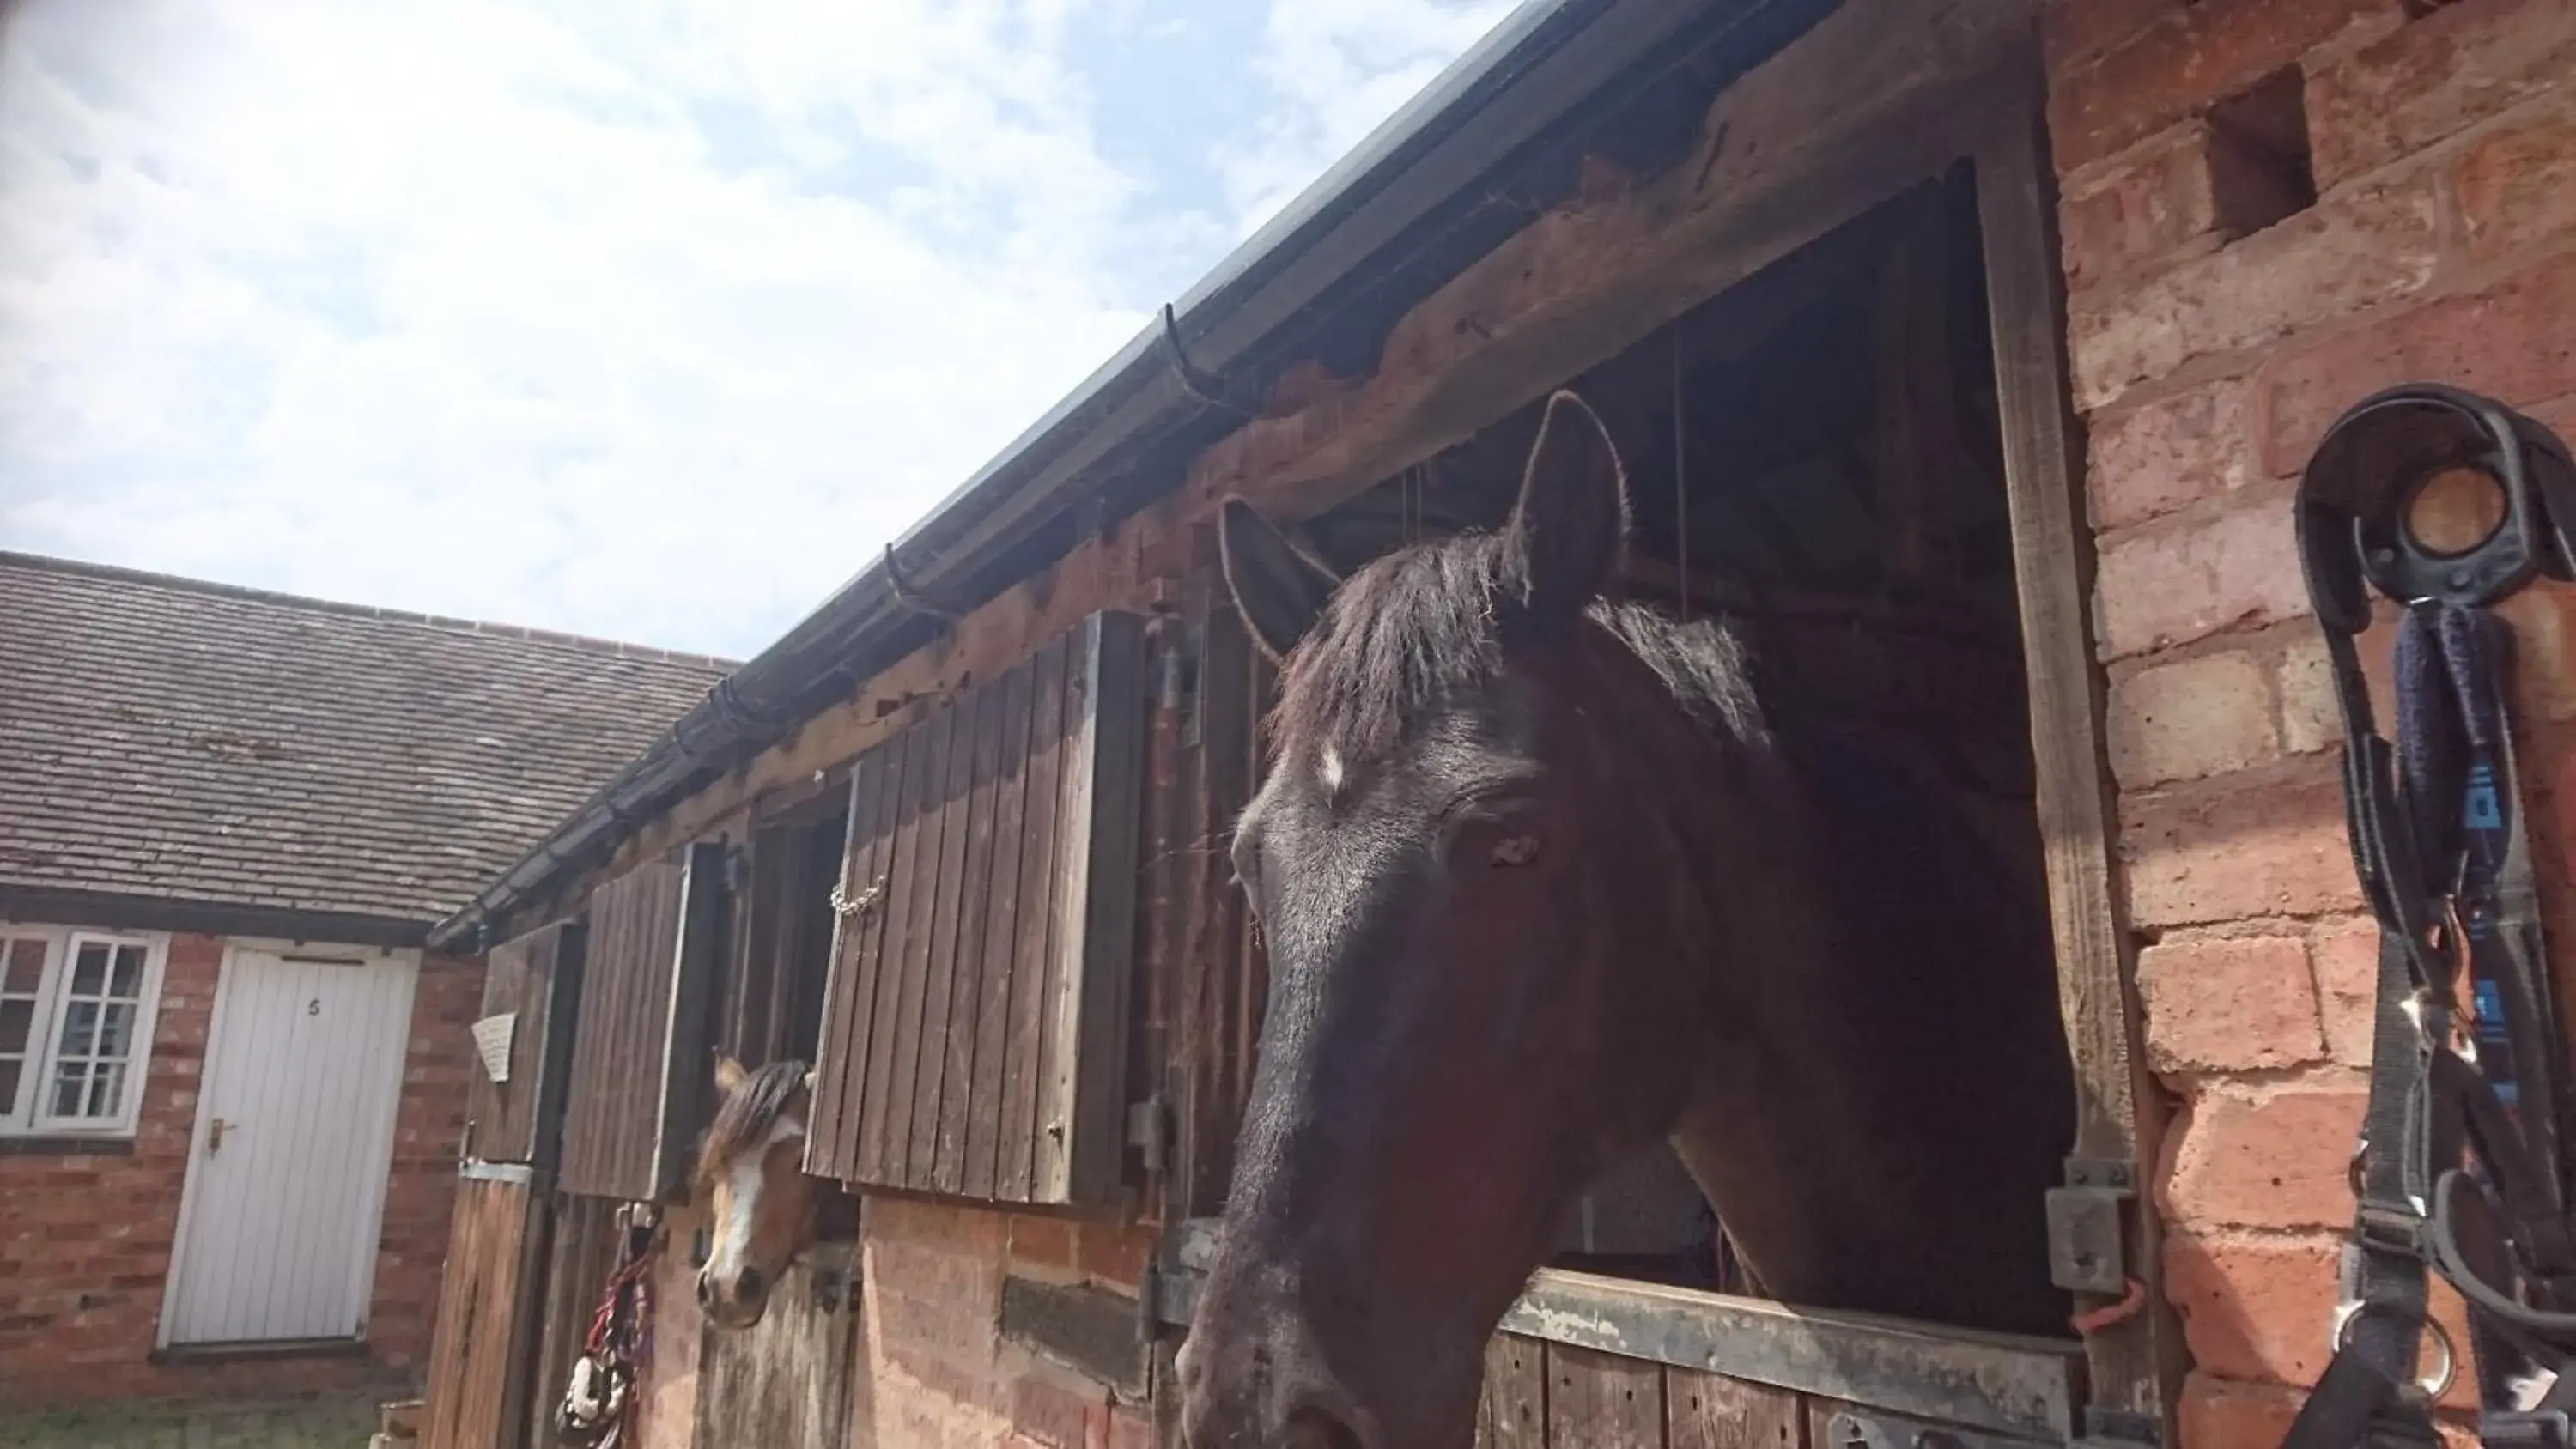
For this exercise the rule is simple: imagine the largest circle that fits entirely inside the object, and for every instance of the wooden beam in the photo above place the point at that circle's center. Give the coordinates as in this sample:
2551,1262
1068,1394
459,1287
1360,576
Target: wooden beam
1863,106
2137,1362
2010,1385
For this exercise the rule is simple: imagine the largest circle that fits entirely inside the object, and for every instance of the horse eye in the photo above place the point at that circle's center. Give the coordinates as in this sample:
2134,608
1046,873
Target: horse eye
1516,850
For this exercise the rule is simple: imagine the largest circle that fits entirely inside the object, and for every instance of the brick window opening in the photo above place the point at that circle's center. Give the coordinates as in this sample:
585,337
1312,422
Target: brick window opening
75,1030
2261,169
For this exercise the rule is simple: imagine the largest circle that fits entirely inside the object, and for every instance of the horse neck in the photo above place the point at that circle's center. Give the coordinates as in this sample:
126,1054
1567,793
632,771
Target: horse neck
1725,881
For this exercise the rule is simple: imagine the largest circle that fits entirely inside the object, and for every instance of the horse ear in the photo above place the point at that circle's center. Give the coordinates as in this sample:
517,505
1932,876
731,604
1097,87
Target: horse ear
1570,528
1279,591
729,1074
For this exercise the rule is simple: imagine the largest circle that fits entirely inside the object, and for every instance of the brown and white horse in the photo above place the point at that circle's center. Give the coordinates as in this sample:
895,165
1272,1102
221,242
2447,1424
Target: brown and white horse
751,1169
1544,876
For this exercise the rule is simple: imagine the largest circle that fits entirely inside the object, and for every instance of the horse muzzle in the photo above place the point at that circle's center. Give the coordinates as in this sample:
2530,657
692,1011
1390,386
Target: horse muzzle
738,1301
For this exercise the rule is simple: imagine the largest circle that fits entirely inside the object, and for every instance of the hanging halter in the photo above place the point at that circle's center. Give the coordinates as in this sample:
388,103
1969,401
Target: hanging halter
2461,1168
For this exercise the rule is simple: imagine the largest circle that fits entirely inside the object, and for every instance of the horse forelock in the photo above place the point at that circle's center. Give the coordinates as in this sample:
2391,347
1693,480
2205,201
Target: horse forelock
1423,628
745,1120
1403,635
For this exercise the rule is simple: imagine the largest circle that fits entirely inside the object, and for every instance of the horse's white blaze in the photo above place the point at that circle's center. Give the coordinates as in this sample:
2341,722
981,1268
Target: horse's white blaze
1329,768
742,1200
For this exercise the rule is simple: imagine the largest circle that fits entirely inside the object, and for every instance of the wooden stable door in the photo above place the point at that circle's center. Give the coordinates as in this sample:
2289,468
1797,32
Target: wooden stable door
784,1381
294,1136
479,1390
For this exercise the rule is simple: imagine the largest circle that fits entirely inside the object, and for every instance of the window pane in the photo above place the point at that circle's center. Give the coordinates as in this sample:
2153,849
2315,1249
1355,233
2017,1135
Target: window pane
116,1031
23,969
17,1023
106,1089
89,972
80,1028
9,1086
71,1083
128,982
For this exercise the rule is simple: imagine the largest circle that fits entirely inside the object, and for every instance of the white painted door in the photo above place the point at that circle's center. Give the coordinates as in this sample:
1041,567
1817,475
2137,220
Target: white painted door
295,1120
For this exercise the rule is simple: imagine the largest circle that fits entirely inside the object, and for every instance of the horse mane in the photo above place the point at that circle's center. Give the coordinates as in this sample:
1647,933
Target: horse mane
1427,625
746,1117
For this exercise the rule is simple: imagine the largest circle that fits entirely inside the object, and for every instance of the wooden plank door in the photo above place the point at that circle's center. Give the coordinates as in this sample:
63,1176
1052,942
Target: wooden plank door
784,1381
531,998
641,1065
286,1175
974,1036
478,1383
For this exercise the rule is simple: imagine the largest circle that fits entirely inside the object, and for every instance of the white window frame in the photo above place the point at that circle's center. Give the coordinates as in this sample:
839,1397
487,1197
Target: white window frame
26,1117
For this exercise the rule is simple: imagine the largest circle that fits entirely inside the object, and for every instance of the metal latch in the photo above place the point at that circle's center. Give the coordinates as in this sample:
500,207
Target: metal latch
2086,1252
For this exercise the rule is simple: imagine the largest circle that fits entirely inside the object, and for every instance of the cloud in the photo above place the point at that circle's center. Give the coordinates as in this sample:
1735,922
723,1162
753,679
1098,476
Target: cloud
649,318
1339,68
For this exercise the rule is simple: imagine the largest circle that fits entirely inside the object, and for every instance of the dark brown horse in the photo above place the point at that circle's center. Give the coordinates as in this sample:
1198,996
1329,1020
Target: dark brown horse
1540,879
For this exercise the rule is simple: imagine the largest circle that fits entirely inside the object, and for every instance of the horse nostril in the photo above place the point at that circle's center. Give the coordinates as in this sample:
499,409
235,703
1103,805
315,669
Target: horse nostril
748,1285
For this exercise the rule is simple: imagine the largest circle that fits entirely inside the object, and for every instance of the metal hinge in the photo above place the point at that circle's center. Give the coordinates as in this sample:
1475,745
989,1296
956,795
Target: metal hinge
2086,1218
1149,1131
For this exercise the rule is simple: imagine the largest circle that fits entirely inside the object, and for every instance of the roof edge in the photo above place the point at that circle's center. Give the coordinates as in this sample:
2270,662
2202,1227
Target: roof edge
306,603
114,910
1541,66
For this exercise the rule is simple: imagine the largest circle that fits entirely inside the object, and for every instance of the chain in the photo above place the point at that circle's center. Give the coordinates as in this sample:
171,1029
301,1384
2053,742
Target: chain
845,904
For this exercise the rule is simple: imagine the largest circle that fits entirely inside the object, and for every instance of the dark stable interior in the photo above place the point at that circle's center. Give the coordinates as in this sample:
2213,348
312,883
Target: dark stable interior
1814,453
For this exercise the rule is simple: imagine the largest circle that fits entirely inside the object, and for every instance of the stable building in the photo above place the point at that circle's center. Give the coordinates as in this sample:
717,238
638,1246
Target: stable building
233,1076
1966,354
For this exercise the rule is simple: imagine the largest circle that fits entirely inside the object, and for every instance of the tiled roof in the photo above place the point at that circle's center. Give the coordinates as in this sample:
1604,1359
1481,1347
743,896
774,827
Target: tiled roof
192,742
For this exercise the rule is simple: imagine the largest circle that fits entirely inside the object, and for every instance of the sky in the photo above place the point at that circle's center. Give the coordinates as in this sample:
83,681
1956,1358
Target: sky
647,319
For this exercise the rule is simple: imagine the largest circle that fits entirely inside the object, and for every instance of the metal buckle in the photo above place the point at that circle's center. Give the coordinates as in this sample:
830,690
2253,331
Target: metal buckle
2433,1386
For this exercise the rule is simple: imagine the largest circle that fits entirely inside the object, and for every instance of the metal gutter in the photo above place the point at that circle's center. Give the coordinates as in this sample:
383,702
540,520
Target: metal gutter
1548,63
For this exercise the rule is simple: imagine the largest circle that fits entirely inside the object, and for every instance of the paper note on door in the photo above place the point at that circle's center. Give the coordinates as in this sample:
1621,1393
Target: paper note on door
492,1035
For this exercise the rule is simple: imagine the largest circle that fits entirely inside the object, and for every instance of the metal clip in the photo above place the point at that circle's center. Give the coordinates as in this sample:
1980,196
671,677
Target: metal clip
2086,1251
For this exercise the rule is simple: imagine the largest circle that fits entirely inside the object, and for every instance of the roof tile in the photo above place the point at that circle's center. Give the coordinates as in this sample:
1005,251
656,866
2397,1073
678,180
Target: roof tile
158,734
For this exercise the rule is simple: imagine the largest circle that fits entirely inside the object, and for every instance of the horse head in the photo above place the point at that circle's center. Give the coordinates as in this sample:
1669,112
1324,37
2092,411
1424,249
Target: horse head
1434,865
751,1168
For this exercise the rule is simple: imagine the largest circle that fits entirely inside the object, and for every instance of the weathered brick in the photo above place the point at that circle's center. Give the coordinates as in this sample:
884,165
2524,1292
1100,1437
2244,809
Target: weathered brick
1113,1252
2516,186
2303,681
2194,57
2177,450
2345,956
2363,246
2514,340
2192,718
2253,1307
2275,1160
1053,1415
2432,79
2228,1004
2189,578
2072,31
1041,1241
2237,850
2182,194
2219,1414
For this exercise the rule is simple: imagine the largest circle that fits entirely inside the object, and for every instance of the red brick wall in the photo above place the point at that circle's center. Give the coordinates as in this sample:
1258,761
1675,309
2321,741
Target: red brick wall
2219,320
940,1374
85,1238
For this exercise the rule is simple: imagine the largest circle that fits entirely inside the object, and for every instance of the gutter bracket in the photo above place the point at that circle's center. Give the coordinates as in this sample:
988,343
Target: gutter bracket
1206,386
911,597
